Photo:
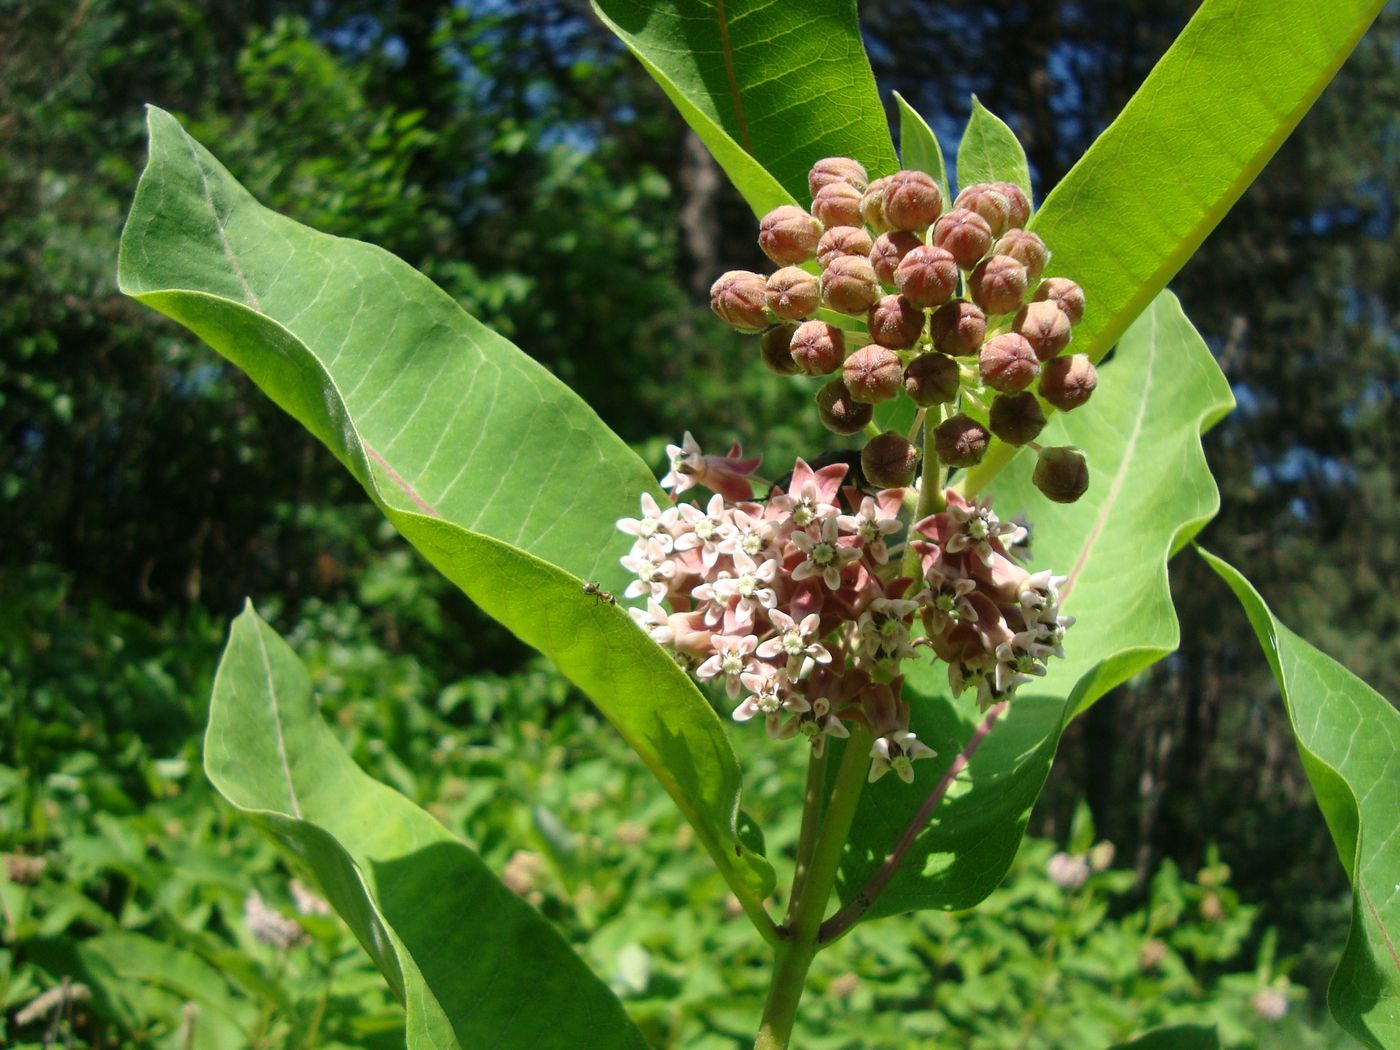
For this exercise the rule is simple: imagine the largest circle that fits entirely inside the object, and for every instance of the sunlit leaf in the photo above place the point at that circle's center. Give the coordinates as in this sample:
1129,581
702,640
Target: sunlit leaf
918,146
991,152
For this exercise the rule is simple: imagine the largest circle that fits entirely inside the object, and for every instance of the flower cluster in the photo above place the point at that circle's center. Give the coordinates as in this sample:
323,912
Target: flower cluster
798,603
957,316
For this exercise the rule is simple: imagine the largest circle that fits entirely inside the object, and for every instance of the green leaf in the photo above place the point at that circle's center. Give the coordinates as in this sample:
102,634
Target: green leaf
1174,1037
769,87
1150,492
484,461
1213,111
918,146
467,957
1348,737
990,152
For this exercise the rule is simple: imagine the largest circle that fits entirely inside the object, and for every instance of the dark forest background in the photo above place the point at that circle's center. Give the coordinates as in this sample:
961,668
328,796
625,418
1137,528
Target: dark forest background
514,153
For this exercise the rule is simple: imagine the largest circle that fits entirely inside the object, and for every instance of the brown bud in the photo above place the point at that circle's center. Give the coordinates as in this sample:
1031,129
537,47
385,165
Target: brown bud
835,169
1008,363
1061,474
818,347
895,322
927,276
988,202
840,412
961,441
849,285
889,461
958,328
788,235
1019,202
1016,418
1212,909
738,297
872,206
965,234
843,240
1065,294
872,374
912,201
776,350
998,284
1027,249
1068,382
889,251
793,293
837,204
931,379
1044,326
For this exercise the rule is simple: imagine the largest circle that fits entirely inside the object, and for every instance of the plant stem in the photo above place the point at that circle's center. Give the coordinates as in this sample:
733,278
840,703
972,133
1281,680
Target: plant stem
836,927
812,798
931,499
794,956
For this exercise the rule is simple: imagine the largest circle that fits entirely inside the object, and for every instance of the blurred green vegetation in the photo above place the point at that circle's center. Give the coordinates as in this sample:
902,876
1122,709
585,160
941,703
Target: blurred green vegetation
516,156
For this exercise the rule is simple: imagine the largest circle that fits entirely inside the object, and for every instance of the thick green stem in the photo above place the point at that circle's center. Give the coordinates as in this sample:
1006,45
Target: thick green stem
794,955
931,499
812,799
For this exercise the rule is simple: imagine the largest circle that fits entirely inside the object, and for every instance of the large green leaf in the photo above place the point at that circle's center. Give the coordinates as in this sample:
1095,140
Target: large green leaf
990,152
1194,136
506,480
1348,737
1151,492
1174,1037
469,959
768,86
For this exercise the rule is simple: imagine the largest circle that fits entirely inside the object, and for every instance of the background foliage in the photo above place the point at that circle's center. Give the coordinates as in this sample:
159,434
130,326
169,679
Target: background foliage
513,153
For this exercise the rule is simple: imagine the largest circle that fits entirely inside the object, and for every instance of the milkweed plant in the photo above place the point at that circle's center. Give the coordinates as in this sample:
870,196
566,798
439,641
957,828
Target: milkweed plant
914,612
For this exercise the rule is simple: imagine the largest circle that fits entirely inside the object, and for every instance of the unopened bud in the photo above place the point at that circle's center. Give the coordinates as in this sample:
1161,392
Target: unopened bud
988,202
1151,954
927,276
1212,909
872,206
776,350
889,461
958,328
793,293
961,441
1016,418
931,379
1068,382
964,233
912,201
1020,204
1065,294
850,286
818,348
788,235
895,322
872,374
998,284
1008,363
1061,474
835,169
1027,249
1045,326
889,251
837,204
840,412
738,297
843,240
1101,856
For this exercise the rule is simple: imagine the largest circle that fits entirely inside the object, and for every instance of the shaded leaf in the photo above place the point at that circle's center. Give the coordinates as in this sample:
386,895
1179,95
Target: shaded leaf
467,957
1151,492
489,465
990,152
1348,737
1174,1037
769,87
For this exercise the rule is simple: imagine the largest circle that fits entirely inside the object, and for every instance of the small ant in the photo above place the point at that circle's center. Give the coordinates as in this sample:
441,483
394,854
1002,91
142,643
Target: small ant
599,595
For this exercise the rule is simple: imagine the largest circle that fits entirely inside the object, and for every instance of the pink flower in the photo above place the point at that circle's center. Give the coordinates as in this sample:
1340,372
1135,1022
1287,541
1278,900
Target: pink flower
825,557
812,494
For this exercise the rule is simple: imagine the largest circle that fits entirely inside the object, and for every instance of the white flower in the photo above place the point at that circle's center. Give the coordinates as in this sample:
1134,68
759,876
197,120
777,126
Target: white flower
1039,595
769,695
870,528
795,642
747,586
946,598
685,460
898,751
731,659
654,621
654,570
975,527
653,524
816,724
881,630
705,529
824,556
748,535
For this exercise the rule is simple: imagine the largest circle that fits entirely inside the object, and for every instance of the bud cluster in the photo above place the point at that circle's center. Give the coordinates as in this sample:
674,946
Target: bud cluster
955,316
798,601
